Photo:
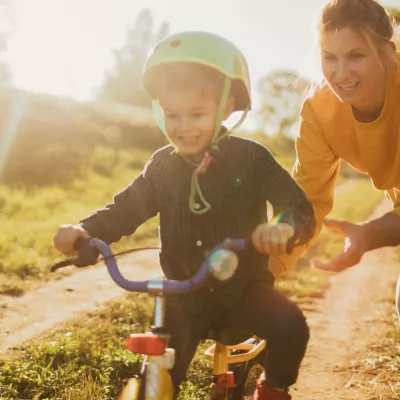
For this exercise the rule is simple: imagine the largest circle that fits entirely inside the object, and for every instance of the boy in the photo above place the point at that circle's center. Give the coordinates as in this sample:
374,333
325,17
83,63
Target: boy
206,187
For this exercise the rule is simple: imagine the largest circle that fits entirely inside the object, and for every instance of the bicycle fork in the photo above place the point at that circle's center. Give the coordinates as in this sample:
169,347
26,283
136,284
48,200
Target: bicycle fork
154,382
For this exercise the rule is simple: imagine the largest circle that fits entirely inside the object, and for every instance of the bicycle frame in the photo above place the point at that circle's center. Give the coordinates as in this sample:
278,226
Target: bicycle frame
155,382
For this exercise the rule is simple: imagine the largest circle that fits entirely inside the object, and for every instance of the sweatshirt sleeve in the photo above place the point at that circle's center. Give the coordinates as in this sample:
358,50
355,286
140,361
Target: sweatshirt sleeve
130,208
288,200
316,170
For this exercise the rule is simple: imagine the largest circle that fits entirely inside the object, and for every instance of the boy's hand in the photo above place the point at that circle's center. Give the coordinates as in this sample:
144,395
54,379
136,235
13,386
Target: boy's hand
66,236
272,239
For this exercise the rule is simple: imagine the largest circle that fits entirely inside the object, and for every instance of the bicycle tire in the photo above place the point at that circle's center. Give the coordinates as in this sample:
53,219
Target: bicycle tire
246,376
133,390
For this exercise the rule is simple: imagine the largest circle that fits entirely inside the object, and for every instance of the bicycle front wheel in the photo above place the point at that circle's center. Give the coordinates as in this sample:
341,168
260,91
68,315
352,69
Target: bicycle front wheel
132,390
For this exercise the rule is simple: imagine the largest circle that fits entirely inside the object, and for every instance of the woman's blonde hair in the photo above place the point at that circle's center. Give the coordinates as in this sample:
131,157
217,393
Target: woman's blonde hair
368,17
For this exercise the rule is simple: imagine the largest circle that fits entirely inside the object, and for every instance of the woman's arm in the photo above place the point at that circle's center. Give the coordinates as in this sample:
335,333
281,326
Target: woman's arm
289,202
316,170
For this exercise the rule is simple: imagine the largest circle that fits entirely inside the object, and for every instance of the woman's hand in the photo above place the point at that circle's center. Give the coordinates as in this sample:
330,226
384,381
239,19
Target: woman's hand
272,239
355,245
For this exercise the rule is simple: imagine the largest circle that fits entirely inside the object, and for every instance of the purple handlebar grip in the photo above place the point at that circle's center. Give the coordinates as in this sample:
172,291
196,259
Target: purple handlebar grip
169,286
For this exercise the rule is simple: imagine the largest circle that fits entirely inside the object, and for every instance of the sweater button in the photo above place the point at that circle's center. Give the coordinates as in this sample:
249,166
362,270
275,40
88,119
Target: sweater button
199,243
197,206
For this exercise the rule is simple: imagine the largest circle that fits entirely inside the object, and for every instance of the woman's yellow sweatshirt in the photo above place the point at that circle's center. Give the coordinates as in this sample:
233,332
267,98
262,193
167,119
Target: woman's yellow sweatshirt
329,132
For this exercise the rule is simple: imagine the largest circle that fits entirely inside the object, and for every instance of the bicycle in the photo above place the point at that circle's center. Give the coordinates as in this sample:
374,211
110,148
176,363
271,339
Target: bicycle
237,365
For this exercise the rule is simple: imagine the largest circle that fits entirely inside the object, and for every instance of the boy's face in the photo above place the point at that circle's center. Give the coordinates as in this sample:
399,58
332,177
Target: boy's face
190,117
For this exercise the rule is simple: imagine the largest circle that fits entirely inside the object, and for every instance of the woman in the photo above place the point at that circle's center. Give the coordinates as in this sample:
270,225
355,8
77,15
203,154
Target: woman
353,116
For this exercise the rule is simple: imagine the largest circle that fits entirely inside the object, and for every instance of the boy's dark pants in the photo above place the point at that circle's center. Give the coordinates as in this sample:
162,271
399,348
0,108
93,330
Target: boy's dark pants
262,311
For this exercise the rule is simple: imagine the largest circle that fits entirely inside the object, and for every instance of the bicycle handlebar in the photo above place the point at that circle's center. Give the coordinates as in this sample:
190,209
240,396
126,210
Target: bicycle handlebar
221,263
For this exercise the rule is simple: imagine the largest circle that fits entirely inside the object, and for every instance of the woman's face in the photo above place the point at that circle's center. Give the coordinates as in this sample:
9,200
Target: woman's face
352,69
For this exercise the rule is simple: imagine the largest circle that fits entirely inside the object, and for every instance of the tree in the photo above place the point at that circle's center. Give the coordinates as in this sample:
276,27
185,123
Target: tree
6,133
5,29
395,13
282,93
123,84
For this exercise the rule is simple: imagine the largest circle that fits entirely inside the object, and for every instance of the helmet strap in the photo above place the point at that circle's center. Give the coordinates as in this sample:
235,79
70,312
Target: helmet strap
159,117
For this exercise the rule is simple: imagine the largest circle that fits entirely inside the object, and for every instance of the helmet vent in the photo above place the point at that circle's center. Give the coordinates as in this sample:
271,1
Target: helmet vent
175,43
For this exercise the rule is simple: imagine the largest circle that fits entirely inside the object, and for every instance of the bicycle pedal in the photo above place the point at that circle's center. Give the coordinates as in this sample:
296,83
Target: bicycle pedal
224,380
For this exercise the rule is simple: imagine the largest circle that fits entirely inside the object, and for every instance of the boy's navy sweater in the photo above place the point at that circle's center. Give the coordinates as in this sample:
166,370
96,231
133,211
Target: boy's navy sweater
242,176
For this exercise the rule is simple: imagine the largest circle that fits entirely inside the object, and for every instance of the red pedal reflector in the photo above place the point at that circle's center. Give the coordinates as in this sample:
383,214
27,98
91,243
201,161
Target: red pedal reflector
150,345
226,380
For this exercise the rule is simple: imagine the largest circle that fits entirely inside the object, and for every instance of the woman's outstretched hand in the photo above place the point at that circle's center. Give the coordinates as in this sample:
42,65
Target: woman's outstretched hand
360,238
355,245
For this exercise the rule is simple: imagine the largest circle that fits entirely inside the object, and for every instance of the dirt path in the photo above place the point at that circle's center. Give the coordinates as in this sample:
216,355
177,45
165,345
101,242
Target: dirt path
38,310
343,325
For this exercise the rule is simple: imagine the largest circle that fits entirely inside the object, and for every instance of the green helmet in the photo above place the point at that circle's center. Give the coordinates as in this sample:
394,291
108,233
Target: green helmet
207,49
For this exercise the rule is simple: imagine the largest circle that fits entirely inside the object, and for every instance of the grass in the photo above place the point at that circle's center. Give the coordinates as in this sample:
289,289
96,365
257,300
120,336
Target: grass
379,366
79,357
382,367
80,360
31,216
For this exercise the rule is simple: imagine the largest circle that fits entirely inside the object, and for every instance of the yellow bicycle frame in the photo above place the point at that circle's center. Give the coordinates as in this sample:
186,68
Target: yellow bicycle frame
157,381
219,354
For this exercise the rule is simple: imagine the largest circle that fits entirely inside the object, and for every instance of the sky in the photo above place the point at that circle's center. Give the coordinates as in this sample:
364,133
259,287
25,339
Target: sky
63,47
